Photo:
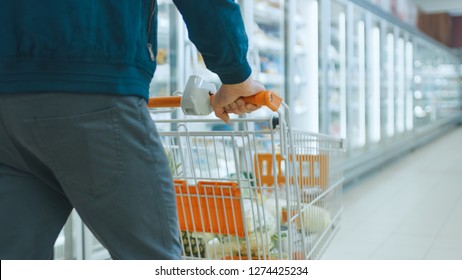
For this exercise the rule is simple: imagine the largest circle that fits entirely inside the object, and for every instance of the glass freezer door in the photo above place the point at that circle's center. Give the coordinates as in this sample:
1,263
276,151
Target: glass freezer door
400,83
374,83
409,66
267,44
357,81
388,84
161,84
448,85
264,22
423,84
336,71
166,78
303,69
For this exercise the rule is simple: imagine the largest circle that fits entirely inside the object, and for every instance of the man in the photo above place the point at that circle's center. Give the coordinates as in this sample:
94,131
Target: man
74,129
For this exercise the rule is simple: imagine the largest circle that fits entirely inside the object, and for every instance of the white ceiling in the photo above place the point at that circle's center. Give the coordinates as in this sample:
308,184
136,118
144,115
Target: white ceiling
452,7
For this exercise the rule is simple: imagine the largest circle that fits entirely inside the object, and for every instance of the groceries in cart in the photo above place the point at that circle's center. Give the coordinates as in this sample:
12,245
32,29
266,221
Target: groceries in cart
251,193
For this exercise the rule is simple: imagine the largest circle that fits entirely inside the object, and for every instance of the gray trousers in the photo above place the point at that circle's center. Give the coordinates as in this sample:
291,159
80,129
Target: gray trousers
99,154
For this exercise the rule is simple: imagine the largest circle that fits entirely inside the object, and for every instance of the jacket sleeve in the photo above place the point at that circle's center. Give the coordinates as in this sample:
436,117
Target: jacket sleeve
217,30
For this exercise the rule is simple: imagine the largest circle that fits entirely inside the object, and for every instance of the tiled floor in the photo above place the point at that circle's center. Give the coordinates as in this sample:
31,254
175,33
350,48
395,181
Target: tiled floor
412,209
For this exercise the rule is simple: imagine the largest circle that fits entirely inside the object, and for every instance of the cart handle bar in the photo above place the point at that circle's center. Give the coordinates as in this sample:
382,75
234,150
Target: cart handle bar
264,98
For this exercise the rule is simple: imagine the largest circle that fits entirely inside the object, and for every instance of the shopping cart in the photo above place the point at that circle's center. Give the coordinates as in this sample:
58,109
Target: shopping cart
254,189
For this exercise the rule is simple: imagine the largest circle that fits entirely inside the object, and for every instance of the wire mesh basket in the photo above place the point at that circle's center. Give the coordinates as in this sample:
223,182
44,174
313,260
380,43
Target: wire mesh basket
254,189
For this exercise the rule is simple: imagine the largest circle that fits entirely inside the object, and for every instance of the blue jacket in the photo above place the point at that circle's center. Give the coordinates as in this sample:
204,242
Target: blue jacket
108,46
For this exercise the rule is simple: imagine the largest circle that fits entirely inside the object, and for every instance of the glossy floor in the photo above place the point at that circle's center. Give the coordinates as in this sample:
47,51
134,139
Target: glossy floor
411,209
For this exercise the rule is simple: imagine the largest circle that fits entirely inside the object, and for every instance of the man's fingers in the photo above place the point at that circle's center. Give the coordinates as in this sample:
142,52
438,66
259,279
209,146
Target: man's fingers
251,107
239,107
230,108
223,115
240,102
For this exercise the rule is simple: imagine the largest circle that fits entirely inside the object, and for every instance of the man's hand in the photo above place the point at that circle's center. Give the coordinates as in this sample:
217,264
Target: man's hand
228,98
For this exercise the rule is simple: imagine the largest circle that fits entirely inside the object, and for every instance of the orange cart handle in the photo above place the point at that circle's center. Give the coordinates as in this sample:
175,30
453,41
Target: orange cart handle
264,98
163,102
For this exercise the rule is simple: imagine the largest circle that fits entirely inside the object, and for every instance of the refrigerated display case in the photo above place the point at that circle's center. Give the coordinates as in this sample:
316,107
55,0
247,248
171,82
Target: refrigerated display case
268,48
447,83
167,78
388,82
356,83
409,84
424,87
375,81
411,95
333,104
303,70
400,82
161,82
265,25
437,91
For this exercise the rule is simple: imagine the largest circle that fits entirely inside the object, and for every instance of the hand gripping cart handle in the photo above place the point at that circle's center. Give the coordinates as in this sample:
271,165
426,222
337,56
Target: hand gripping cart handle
197,97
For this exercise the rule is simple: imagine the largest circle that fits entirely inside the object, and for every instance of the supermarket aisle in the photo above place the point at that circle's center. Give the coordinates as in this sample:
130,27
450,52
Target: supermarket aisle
411,209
